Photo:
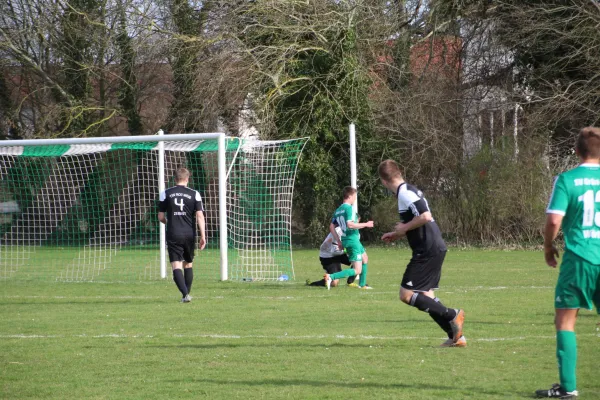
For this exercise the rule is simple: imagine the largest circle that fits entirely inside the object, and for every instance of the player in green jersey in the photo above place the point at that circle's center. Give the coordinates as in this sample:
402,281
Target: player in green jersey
574,205
346,219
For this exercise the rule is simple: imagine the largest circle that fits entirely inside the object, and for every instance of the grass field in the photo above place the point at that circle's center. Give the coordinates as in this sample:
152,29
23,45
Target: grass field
287,340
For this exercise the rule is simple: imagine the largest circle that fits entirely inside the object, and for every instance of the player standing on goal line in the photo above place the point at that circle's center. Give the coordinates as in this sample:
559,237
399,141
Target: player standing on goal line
424,270
345,218
180,208
573,204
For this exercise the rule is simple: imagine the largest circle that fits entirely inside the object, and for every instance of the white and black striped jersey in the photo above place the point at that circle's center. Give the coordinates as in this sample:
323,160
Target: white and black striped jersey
180,204
426,239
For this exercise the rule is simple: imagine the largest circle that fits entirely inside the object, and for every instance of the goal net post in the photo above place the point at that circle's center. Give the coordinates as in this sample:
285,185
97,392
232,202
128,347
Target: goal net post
86,209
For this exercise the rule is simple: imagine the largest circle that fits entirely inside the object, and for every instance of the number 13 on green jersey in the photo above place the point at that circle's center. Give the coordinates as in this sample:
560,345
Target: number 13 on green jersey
576,196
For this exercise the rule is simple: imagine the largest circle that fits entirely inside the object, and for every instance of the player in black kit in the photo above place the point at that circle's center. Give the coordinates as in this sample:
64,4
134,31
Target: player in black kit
424,270
180,208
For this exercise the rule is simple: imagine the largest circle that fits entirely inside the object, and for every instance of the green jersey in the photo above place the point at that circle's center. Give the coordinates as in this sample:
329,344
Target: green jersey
576,196
341,217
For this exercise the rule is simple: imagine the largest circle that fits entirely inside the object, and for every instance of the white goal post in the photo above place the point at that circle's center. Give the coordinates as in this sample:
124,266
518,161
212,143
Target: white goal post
85,209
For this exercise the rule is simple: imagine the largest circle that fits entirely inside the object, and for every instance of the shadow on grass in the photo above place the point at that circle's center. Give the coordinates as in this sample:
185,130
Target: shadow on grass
427,321
353,385
350,345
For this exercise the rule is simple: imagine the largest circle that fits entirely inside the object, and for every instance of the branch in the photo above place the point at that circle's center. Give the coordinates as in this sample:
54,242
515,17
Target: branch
27,60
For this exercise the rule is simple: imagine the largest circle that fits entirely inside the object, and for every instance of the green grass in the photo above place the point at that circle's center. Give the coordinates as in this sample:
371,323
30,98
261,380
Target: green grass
274,341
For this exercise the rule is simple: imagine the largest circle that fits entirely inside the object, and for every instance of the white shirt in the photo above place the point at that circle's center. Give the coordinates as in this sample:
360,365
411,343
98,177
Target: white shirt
329,248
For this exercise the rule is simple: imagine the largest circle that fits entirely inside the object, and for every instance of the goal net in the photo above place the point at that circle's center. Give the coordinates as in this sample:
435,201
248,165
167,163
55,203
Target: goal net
88,212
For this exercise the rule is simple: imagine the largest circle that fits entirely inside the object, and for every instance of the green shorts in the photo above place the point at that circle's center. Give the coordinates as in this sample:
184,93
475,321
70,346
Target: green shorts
354,249
578,283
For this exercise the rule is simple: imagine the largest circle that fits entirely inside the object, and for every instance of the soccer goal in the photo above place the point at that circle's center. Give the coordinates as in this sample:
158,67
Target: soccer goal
86,209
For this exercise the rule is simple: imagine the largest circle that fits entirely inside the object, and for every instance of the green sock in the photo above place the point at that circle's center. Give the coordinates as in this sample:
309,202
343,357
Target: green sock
566,352
362,281
343,274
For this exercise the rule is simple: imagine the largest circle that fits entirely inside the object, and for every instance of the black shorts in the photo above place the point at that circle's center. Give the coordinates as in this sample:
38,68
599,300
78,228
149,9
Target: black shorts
423,272
181,249
334,264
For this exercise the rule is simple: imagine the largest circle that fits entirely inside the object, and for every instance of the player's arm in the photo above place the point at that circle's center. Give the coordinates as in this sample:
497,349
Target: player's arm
553,222
199,206
415,223
421,216
162,217
335,235
359,225
201,228
350,223
162,207
557,208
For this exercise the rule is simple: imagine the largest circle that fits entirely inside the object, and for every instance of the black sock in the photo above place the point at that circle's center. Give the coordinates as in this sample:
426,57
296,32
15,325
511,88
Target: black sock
189,278
429,305
444,324
318,283
180,281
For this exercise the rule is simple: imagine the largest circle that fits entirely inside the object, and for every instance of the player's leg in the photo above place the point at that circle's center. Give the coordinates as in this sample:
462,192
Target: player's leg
355,270
362,282
446,326
421,277
175,249
566,347
355,256
188,274
576,288
331,266
566,354
188,258
343,259
179,278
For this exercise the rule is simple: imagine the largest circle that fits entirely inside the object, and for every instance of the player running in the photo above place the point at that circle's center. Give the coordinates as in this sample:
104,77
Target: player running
345,218
573,205
424,270
180,208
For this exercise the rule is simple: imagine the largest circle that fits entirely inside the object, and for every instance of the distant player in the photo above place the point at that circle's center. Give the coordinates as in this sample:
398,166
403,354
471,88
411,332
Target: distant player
332,258
574,204
424,270
180,208
345,218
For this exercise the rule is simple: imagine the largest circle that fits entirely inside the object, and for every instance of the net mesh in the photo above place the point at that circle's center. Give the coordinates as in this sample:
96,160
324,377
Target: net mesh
89,212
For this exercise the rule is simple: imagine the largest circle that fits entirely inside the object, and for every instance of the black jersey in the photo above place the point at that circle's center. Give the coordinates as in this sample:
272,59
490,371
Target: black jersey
426,239
180,204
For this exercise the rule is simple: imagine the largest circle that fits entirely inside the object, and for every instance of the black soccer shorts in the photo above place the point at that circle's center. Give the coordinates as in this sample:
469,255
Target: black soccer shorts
334,264
423,272
181,249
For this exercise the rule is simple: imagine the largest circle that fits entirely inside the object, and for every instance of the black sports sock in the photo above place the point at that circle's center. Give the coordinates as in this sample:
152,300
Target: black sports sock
444,324
318,283
429,305
180,281
188,273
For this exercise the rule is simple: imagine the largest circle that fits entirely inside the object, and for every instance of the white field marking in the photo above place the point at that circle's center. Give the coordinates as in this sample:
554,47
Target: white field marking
444,288
370,292
155,297
286,336
83,297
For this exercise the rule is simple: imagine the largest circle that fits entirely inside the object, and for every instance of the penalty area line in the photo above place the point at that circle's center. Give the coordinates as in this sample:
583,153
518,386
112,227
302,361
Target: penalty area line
283,337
